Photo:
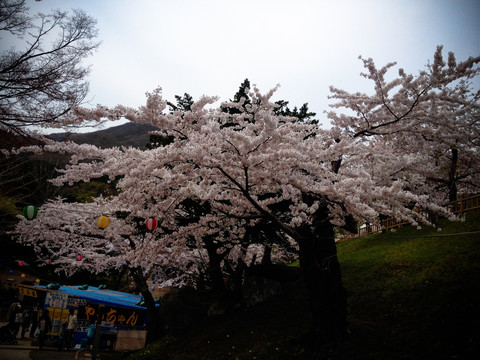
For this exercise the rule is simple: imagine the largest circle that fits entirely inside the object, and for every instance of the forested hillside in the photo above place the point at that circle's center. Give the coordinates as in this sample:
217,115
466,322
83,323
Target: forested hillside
129,134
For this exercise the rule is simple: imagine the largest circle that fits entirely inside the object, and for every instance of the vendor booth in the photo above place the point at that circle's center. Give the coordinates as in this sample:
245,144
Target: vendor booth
122,322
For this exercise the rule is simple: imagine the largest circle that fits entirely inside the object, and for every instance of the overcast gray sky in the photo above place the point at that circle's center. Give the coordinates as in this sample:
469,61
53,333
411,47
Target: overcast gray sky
210,46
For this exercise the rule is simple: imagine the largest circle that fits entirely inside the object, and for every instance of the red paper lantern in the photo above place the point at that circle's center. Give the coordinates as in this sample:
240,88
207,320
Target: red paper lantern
79,257
21,262
151,224
48,261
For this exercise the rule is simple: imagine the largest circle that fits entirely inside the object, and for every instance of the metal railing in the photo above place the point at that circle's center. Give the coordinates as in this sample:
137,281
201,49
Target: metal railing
464,205
457,207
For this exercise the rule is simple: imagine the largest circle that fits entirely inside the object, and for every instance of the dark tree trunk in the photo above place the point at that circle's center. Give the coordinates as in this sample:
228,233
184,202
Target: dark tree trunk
119,277
156,327
267,255
214,265
321,271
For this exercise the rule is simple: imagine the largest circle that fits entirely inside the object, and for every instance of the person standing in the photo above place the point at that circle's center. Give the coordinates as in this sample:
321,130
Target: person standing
18,320
34,318
61,336
44,326
14,308
26,322
91,335
71,329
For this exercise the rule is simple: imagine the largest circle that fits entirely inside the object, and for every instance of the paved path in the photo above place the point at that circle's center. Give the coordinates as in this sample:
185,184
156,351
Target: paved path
24,350
45,354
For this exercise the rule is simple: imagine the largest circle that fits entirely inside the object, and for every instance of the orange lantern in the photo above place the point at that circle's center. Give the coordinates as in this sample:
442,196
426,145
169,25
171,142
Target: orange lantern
103,222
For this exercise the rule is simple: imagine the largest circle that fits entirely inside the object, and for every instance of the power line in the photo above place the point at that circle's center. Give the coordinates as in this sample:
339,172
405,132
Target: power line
435,235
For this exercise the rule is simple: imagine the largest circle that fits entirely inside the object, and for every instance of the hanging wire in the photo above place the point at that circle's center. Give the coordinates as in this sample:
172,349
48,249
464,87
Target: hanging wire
433,235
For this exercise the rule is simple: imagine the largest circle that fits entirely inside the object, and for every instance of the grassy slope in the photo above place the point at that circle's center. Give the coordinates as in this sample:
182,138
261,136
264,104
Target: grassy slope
413,294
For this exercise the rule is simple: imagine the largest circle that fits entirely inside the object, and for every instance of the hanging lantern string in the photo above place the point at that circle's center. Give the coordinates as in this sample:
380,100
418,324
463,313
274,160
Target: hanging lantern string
82,211
59,208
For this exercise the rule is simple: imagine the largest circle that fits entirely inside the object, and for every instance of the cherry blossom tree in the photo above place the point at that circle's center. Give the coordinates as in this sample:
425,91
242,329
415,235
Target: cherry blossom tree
257,166
261,167
66,237
432,117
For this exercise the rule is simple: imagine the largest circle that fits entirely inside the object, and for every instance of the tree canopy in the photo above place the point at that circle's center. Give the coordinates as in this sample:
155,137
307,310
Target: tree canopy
432,119
269,166
43,74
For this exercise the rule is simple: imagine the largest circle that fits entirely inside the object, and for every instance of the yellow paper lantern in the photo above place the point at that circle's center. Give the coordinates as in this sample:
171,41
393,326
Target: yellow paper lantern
103,222
23,275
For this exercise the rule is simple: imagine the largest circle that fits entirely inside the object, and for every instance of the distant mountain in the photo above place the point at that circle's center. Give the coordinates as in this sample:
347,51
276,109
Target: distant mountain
129,134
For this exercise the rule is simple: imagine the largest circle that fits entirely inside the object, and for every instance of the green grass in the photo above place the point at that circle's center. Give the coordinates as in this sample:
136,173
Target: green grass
416,293
413,294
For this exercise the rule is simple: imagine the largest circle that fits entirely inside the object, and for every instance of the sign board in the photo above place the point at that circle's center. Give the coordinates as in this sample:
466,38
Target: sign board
56,300
116,315
28,292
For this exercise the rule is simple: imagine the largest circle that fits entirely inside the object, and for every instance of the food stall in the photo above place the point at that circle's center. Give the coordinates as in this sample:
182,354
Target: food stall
123,323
